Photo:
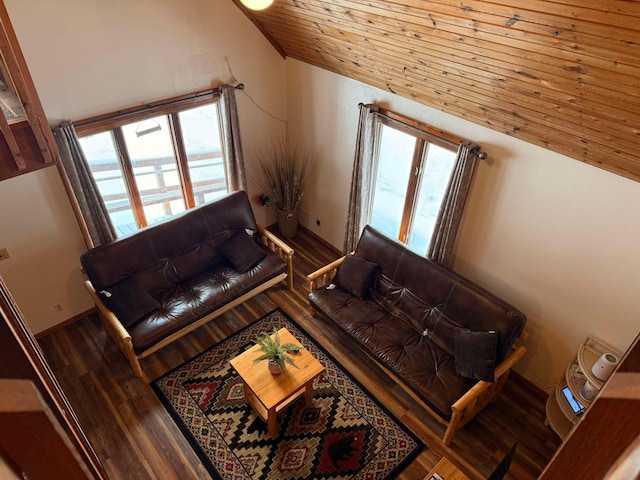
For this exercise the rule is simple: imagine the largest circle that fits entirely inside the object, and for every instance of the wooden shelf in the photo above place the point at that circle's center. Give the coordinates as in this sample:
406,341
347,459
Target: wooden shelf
560,415
556,418
604,443
563,403
576,386
589,353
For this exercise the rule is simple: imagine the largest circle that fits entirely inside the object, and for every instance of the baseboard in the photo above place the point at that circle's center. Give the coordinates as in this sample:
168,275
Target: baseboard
528,385
67,322
321,240
274,228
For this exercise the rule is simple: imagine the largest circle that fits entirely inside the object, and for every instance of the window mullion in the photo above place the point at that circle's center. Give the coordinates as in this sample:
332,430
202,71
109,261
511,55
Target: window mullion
412,190
129,177
182,160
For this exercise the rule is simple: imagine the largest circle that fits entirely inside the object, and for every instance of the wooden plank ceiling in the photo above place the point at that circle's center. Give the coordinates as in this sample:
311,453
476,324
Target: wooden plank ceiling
562,74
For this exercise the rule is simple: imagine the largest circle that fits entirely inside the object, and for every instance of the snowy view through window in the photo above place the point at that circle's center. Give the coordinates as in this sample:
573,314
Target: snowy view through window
394,168
150,150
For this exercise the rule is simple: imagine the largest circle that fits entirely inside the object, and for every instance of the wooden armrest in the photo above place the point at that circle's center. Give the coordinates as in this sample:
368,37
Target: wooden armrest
325,273
108,316
510,361
467,406
286,249
326,269
482,386
116,330
278,246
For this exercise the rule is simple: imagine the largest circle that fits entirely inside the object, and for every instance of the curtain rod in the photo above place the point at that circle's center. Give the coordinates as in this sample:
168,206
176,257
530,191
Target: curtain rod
482,155
149,106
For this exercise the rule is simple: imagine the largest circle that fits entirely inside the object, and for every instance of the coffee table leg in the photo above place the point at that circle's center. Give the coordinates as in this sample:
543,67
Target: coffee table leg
247,392
272,422
308,394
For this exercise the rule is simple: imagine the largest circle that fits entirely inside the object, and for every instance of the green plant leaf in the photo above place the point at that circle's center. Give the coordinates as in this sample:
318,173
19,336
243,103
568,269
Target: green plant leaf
272,349
290,347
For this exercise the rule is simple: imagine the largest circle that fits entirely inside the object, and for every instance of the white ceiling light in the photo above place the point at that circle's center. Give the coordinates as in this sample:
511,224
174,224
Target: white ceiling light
257,4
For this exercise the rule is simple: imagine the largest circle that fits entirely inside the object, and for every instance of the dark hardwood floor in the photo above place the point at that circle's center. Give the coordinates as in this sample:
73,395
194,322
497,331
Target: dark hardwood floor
135,437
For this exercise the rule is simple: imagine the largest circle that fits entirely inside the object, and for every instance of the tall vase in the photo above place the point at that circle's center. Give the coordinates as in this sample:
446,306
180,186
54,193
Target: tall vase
288,222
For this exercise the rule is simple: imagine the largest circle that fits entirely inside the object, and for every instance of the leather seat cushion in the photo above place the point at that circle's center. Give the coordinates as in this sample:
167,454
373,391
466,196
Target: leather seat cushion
192,299
436,299
425,367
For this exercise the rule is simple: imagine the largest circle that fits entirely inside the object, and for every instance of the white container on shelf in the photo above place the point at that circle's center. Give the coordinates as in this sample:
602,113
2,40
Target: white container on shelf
589,390
605,366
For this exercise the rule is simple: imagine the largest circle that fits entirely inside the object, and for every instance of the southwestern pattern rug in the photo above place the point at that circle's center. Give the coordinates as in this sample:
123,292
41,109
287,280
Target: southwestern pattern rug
346,434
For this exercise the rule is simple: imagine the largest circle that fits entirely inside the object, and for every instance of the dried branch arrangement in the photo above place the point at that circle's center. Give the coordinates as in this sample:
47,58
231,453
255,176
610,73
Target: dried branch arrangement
284,175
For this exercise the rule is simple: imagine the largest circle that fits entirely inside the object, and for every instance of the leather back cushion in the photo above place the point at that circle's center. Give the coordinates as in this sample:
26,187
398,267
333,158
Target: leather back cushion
355,275
242,251
169,252
437,301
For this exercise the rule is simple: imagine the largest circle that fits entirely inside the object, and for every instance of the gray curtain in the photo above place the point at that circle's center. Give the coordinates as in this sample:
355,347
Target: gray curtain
232,147
450,215
359,210
92,207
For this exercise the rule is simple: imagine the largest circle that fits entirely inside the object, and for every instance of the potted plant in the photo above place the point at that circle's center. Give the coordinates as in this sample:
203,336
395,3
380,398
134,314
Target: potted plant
274,352
284,176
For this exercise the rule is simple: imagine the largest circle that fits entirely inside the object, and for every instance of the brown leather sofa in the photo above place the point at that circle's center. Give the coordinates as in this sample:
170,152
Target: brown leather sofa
162,282
448,341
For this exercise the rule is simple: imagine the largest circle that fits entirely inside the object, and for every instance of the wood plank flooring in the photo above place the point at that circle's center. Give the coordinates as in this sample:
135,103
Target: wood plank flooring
136,439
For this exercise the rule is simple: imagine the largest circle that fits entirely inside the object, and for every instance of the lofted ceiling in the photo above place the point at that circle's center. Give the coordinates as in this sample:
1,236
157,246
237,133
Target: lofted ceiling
562,74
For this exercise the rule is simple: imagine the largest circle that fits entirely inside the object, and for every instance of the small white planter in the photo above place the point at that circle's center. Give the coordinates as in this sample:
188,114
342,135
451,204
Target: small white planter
274,368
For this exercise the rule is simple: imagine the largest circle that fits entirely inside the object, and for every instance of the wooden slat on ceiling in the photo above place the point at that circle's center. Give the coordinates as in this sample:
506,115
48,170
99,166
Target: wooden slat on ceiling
562,74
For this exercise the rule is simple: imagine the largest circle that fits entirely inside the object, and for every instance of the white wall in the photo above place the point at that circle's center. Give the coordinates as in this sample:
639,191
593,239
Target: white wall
44,242
555,237
93,57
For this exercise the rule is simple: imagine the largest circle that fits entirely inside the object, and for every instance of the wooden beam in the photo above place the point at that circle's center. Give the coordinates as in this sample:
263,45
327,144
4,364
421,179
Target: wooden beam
11,143
17,67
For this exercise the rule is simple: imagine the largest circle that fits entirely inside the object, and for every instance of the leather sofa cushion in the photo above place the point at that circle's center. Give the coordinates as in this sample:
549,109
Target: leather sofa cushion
174,250
420,363
129,300
192,299
475,355
179,263
242,251
355,275
438,301
414,312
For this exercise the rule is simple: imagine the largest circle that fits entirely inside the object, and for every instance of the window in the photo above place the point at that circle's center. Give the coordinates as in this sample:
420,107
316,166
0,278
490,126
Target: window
411,173
149,167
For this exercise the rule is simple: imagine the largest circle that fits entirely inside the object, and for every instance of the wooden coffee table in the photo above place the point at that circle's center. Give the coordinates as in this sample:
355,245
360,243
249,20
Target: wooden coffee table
268,394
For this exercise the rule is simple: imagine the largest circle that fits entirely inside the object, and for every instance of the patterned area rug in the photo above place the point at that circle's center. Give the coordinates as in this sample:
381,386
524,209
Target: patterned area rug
346,434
